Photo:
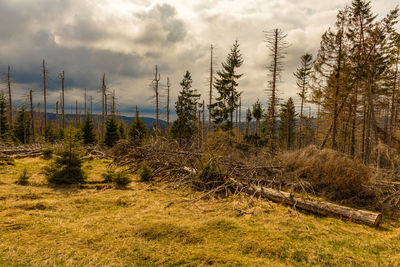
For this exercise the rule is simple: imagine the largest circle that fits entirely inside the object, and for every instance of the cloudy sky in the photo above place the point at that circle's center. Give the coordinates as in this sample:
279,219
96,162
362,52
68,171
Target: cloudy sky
127,38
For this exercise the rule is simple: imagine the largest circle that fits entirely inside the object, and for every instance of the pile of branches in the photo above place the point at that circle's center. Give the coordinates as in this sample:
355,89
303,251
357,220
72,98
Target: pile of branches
216,165
183,163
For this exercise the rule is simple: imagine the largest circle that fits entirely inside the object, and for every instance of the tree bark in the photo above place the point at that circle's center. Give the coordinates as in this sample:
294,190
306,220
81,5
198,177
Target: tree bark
314,206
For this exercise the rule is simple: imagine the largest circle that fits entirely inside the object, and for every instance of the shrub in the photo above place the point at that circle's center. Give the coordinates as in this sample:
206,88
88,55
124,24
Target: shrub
47,152
67,166
120,179
145,172
332,173
210,174
23,178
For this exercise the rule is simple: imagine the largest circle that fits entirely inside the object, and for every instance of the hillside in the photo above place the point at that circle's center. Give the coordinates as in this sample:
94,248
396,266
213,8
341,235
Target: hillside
97,225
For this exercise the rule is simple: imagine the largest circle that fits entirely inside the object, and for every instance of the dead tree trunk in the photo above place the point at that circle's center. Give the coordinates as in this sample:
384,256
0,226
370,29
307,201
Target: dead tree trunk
211,86
10,109
156,81
32,116
62,78
168,88
314,206
44,95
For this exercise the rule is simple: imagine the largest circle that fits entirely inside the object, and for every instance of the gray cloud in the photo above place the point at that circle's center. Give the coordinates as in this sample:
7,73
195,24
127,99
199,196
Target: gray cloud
127,38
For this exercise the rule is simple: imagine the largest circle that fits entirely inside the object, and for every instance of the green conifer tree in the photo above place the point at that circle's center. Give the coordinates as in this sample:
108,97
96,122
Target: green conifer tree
23,126
258,114
287,126
111,136
137,129
122,129
184,127
88,131
3,117
67,166
226,84
50,134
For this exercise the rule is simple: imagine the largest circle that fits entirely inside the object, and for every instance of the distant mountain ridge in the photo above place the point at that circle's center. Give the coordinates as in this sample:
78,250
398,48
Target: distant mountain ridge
150,122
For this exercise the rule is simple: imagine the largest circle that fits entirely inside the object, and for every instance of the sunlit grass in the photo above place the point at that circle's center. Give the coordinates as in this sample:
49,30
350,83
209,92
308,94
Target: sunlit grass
150,225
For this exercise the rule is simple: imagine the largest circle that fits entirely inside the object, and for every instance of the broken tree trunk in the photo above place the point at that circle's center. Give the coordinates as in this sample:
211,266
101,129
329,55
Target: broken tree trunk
314,206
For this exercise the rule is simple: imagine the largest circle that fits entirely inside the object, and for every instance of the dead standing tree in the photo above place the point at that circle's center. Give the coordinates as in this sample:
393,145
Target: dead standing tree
275,41
104,102
168,91
61,76
10,110
32,116
44,72
156,81
211,87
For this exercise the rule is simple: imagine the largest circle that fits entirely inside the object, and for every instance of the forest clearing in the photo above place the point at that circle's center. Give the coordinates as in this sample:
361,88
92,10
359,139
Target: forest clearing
104,226
124,143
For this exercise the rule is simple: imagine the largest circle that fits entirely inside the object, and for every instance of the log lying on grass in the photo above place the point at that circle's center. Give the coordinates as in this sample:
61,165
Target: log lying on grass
314,206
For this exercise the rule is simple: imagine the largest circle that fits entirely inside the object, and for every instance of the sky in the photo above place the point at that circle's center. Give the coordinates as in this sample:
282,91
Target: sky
126,39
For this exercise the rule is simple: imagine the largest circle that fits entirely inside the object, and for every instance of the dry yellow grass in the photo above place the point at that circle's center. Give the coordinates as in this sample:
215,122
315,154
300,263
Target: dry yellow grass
150,225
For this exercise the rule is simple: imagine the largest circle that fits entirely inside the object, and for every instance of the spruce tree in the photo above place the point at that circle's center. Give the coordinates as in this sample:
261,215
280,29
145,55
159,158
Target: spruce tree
302,80
22,129
137,129
184,127
111,136
249,117
50,133
122,129
287,126
258,114
67,165
3,116
88,131
226,84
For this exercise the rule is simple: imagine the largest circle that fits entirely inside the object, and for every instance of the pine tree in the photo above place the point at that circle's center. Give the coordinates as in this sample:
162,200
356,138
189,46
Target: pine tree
122,130
3,116
111,136
184,127
22,129
226,84
303,77
258,114
287,126
88,131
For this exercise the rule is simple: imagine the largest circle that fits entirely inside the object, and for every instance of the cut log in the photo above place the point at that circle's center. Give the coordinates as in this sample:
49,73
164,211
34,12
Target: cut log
314,206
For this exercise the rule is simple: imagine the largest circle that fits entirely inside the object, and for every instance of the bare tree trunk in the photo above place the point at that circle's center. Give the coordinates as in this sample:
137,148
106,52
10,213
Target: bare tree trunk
44,95
211,86
168,88
76,114
240,117
85,103
394,94
156,81
56,113
10,109
62,77
32,116
103,99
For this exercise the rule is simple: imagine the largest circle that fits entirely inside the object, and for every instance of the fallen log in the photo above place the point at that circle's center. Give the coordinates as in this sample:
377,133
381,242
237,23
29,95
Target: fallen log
314,206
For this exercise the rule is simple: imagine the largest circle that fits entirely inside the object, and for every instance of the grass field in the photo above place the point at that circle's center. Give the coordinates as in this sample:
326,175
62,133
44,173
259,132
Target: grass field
151,225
